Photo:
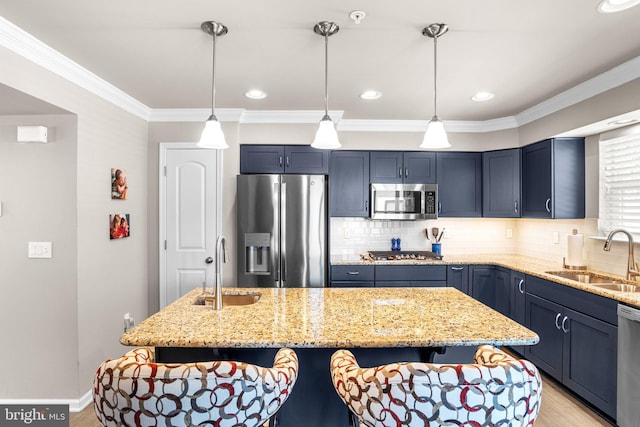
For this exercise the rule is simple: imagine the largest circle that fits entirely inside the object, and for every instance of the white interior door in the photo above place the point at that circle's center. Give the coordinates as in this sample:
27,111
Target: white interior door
189,204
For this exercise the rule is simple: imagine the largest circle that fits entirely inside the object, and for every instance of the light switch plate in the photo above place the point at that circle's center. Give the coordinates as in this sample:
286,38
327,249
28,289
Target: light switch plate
40,250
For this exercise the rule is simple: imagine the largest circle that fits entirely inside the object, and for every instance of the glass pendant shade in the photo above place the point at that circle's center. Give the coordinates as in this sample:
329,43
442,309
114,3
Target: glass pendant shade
326,136
212,136
435,136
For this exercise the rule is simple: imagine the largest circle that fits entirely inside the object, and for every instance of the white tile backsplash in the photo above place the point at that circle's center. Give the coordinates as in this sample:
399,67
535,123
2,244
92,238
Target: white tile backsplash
530,237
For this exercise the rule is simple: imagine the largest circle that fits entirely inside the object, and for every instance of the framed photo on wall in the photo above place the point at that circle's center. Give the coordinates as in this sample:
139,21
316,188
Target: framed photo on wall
119,184
119,226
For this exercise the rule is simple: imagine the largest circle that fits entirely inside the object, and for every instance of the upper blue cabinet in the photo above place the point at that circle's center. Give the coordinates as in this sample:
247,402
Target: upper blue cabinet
298,159
459,184
553,179
501,184
396,167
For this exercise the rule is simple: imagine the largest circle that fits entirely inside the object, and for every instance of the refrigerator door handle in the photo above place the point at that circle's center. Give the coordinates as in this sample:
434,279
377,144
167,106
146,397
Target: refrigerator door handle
275,258
283,233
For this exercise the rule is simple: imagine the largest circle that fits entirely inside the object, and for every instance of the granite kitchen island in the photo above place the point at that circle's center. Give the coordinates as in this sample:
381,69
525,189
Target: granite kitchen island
380,325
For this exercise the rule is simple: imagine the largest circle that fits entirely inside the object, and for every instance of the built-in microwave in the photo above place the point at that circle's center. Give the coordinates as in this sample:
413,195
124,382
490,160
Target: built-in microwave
404,201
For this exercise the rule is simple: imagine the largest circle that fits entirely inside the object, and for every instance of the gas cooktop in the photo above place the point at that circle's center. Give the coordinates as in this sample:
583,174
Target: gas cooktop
403,255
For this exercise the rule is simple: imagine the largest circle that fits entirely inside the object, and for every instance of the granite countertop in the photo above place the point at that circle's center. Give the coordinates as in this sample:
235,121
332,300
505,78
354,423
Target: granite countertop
532,266
331,318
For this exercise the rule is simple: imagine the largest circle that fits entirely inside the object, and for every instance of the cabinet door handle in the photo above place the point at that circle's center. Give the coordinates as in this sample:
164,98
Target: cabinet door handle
400,172
439,207
520,287
547,205
457,268
353,273
558,324
406,172
564,321
366,206
515,206
280,160
287,161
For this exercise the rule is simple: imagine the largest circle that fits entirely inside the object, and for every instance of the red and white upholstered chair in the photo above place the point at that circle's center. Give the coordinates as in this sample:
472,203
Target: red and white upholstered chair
135,391
496,390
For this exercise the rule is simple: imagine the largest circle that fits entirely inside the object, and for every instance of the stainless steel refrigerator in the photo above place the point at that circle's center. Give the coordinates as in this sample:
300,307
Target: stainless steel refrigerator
282,230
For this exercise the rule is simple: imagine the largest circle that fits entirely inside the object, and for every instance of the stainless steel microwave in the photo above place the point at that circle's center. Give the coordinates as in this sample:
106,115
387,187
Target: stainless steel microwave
404,201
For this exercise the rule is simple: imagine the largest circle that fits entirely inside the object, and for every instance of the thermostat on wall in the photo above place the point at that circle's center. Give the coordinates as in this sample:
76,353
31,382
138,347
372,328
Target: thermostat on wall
32,134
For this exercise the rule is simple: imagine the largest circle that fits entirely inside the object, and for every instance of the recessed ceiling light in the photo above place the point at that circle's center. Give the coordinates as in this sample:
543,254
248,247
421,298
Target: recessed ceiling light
255,94
482,96
622,122
370,94
611,6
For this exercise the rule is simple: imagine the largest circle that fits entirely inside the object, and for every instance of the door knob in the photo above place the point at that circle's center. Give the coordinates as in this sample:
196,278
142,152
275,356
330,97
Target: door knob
209,260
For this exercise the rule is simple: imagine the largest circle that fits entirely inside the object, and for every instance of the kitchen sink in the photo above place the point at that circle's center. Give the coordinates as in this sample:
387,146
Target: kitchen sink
620,287
585,277
597,280
229,299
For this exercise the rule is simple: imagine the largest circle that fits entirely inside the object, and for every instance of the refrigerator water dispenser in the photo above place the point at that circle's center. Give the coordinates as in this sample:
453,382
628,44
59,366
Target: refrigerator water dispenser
258,252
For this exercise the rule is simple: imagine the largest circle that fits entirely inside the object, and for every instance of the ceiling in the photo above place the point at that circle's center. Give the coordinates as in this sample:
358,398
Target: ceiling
523,51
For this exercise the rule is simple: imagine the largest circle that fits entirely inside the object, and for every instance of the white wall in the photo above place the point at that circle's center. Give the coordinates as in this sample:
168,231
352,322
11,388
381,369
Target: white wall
62,317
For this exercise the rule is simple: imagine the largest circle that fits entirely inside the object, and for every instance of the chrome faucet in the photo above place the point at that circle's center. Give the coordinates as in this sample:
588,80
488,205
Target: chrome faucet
632,267
221,256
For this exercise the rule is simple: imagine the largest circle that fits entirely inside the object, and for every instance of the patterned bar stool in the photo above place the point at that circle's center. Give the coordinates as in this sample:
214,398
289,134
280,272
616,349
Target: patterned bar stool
135,391
496,390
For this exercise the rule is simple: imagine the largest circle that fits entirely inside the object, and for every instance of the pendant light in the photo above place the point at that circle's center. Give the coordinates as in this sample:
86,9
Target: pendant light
326,135
212,136
435,136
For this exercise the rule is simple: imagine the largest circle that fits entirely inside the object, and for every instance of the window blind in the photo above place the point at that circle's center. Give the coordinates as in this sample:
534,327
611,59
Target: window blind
620,184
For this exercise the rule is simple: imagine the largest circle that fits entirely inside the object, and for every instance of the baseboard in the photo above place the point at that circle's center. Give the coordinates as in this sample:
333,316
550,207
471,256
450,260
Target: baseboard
75,405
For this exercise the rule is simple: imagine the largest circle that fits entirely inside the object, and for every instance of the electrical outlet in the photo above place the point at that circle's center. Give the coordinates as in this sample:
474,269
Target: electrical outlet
509,233
128,322
556,238
347,233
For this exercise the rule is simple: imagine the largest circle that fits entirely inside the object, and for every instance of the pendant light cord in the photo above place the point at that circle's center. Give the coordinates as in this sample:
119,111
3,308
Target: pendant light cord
435,76
326,74
213,73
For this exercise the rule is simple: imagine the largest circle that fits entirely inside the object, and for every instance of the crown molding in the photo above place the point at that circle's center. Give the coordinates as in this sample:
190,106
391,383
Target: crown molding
616,76
22,43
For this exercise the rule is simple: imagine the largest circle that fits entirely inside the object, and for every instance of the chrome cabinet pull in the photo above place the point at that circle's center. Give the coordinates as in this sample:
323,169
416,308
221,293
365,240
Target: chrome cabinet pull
565,330
515,206
287,161
457,268
406,172
280,161
353,273
558,318
400,172
520,288
547,205
439,207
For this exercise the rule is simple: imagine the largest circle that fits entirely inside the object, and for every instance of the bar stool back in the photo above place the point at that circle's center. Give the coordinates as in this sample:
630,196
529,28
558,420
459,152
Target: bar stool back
496,390
135,391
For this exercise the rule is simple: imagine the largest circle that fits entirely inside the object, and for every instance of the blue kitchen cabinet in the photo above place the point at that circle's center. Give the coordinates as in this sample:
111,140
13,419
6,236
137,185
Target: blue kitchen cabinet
517,291
458,277
459,179
409,167
352,276
501,183
410,276
578,339
294,159
553,179
490,285
349,184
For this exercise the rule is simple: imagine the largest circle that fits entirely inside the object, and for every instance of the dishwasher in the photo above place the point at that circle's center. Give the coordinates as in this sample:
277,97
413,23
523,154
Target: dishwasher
628,406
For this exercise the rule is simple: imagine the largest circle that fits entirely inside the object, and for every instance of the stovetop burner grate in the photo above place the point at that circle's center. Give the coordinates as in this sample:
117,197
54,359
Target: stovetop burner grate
403,255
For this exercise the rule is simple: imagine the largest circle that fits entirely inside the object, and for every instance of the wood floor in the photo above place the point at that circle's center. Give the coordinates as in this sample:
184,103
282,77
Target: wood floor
558,409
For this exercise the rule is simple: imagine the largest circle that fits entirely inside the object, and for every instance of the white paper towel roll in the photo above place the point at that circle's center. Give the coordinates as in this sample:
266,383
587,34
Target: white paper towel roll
574,250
